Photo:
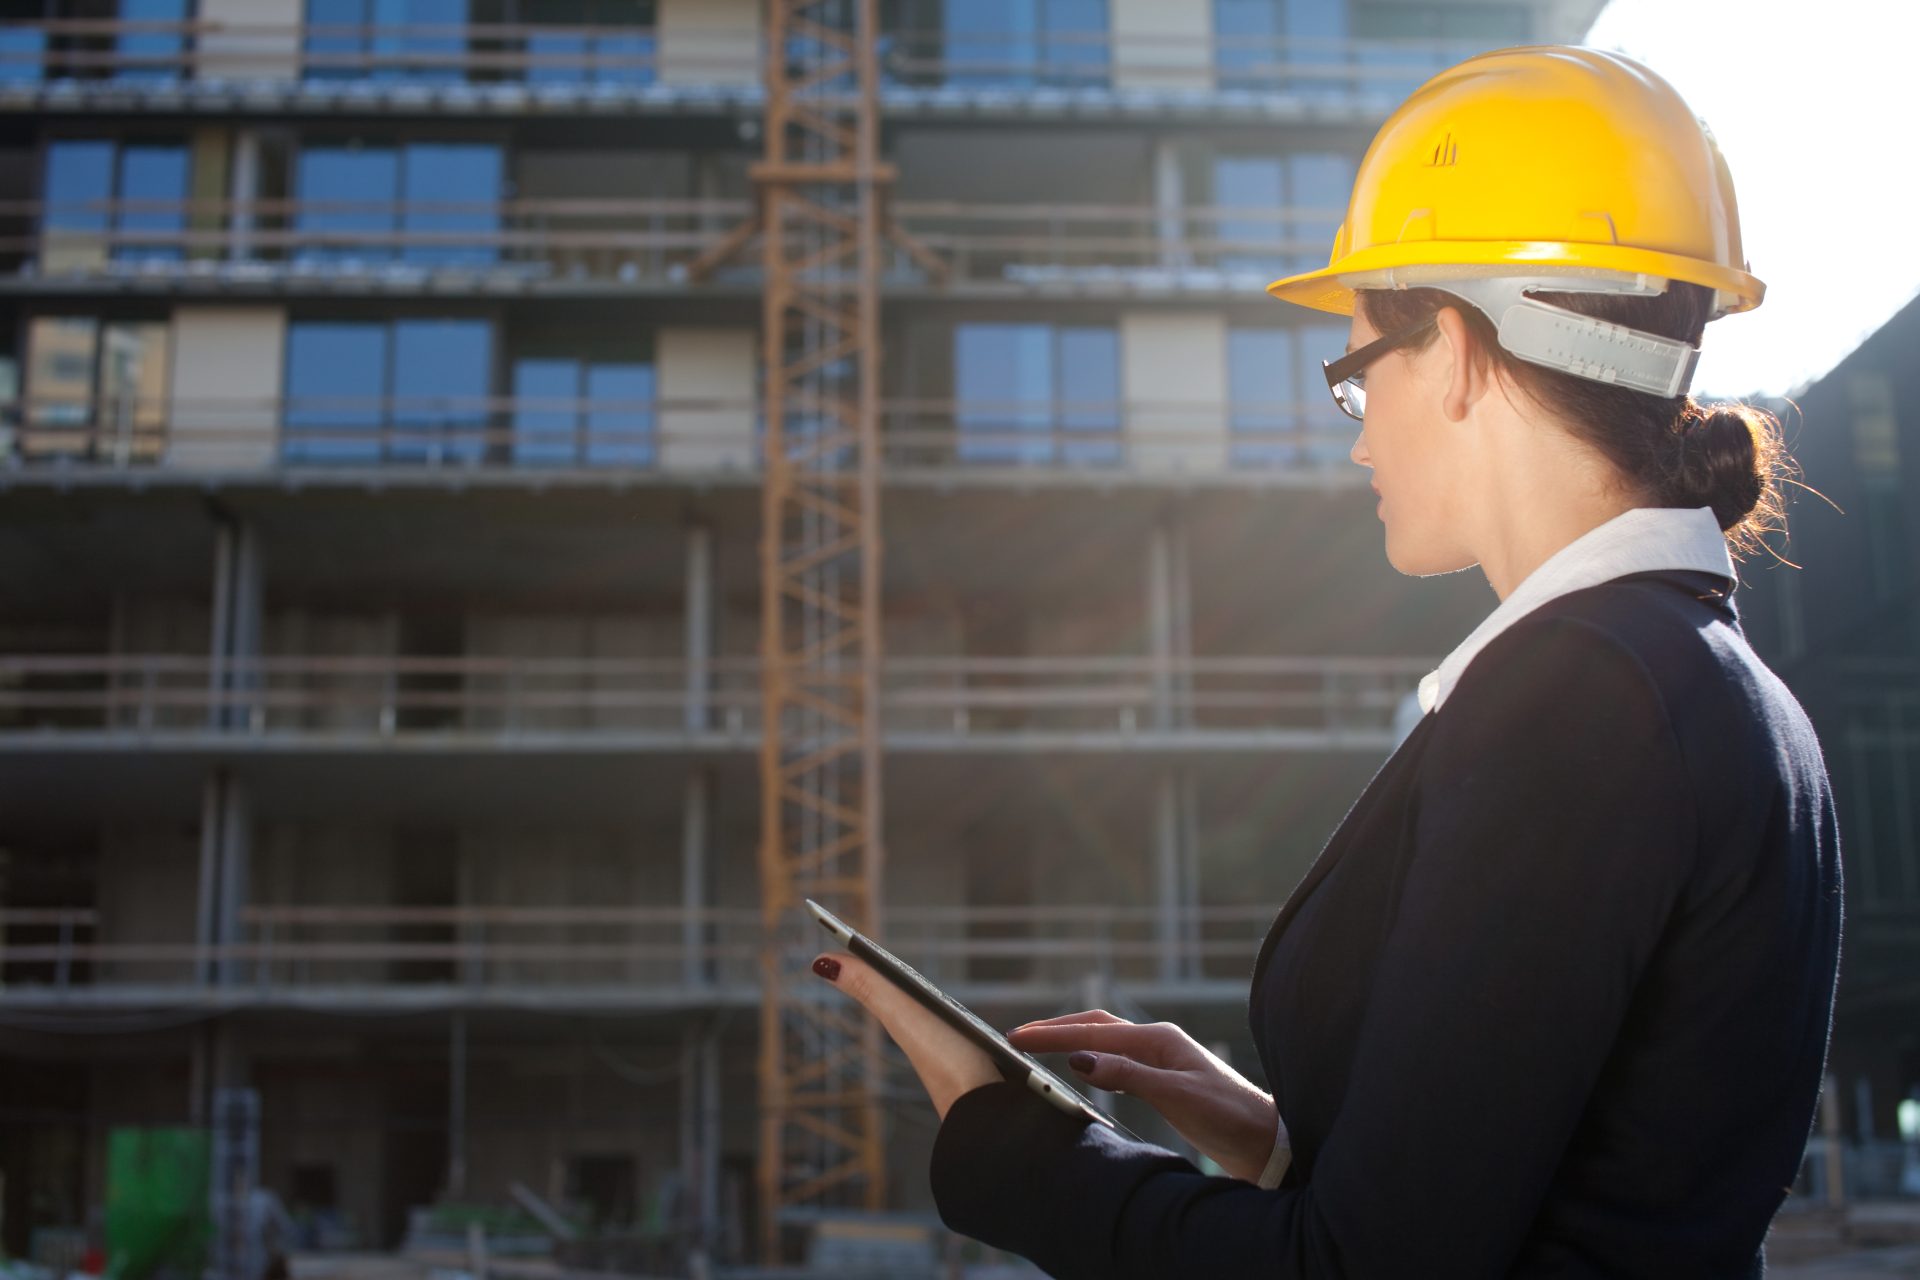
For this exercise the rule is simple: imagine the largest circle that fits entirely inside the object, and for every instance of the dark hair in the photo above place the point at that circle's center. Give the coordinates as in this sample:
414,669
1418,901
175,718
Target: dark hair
1673,452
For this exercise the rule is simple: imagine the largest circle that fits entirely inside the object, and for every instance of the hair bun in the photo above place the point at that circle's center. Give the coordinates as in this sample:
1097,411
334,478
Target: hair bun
1723,460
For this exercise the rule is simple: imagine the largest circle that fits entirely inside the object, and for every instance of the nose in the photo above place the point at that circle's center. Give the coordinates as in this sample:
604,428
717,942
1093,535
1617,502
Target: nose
1359,451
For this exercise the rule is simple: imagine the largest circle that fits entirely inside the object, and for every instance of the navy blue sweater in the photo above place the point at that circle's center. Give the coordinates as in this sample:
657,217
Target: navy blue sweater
1554,1000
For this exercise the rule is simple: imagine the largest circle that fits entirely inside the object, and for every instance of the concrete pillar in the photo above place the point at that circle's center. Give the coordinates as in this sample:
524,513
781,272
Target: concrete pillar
209,173
709,1233
457,1107
207,920
699,626
220,642
1160,624
225,387
1170,203
1174,379
248,621
1189,796
1167,878
1157,45
694,878
243,190
236,851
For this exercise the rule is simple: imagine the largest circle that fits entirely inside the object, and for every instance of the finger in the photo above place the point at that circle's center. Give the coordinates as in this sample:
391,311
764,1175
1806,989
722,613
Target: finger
1147,1042
1091,1015
857,978
1117,1073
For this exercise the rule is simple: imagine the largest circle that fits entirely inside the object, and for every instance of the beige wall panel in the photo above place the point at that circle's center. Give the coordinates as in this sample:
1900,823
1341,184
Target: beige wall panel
623,637
1173,367
226,386
1157,45
261,42
543,636
709,42
706,365
345,700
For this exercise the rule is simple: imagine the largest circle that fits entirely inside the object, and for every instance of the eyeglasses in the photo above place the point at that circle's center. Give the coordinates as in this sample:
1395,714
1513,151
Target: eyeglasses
1347,377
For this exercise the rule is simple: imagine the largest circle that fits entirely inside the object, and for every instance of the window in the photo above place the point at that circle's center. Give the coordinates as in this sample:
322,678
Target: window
96,387
1276,389
152,54
570,411
363,392
1296,45
1040,380
602,41
89,184
387,39
1299,198
1398,50
22,50
354,199
1021,43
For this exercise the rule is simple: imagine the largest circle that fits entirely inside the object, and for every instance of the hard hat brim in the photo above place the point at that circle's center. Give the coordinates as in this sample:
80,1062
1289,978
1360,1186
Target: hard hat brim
1409,264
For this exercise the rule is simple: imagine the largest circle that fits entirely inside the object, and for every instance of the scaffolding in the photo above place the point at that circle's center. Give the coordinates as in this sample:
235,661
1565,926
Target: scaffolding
821,1083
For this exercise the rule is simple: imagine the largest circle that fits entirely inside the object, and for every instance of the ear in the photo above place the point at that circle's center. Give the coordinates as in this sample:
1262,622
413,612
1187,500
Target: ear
1469,368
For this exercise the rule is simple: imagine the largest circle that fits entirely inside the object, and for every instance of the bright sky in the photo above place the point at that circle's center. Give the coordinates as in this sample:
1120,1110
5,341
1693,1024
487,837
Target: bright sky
1811,101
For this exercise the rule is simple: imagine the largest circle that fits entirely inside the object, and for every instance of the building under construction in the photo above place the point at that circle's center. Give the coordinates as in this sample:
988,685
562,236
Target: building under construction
504,497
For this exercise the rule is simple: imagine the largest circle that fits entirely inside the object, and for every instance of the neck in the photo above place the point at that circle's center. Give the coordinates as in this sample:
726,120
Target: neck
1546,492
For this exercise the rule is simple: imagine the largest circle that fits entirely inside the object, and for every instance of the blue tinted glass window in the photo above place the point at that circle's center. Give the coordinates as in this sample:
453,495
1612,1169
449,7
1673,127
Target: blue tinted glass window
1318,185
467,175
556,57
624,57
620,413
1262,395
1089,395
22,53
546,412
1255,185
419,39
346,192
336,388
152,55
1246,42
156,175
1316,32
79,185
336,38
1332,429
441,370
1075,32
1003,381
993,42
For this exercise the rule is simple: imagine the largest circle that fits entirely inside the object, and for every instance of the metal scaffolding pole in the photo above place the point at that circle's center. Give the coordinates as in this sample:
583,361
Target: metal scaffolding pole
821,1144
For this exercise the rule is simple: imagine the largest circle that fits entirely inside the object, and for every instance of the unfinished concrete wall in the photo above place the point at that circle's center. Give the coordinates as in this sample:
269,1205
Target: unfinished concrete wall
323,865
1157,45
1173,367
148,895
709,42
224,401
333,700
706,365
584,699
248,40
319,1108
541,866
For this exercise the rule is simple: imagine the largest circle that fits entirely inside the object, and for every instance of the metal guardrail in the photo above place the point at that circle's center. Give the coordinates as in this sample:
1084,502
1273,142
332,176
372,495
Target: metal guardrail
484,947
640,57
573,240
463,433
497,699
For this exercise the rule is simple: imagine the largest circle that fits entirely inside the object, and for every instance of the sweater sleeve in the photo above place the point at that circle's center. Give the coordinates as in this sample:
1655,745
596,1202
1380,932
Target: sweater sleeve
1554,828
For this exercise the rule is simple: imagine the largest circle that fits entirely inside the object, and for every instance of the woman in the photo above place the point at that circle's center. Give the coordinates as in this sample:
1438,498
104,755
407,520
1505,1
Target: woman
1555,997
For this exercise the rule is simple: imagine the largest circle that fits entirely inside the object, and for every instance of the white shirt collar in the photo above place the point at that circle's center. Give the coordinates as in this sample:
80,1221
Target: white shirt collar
1636,541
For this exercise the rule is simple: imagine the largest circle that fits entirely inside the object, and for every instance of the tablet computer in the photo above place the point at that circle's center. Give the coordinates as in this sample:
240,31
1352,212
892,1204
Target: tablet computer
1012,1062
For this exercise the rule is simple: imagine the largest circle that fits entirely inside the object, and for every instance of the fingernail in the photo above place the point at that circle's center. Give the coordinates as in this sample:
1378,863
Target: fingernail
828,968
1082,1062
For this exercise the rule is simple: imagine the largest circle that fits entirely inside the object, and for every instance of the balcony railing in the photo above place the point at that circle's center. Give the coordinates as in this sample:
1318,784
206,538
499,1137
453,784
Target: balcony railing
478,948
635,57
555,242
931,701
919,438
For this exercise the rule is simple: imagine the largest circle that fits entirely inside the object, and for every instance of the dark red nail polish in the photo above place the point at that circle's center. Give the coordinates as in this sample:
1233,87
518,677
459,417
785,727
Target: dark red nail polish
827,967
1082,1062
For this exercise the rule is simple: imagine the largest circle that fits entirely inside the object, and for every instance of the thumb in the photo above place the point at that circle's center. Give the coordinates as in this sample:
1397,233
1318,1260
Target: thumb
1117,1073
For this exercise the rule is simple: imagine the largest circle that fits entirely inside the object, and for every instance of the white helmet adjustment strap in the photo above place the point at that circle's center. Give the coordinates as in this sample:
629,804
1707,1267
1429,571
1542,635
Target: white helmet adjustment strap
1541,333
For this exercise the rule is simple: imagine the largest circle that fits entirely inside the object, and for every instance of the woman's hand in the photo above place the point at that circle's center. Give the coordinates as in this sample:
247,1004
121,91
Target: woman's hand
1207,1102
948,1063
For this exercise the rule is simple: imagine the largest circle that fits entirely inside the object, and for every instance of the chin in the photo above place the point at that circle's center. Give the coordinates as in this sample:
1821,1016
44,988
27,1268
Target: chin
1424,560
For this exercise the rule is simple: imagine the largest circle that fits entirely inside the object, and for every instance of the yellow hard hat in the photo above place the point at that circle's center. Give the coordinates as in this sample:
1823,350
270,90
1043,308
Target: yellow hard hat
1547,161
